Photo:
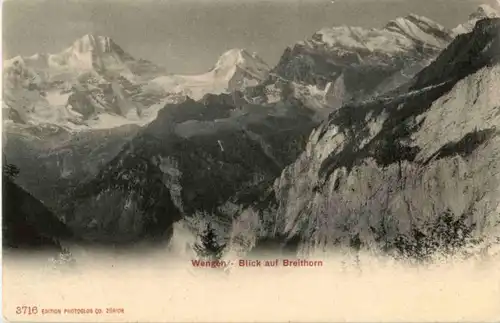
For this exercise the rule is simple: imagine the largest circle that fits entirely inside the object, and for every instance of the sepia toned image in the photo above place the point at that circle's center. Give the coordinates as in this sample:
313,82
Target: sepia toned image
251,161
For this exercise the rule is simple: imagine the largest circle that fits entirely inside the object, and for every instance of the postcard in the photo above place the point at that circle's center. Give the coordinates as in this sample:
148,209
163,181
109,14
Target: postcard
251,161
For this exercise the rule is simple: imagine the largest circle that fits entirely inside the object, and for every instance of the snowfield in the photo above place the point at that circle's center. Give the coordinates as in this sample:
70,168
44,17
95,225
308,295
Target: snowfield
235,70
94,84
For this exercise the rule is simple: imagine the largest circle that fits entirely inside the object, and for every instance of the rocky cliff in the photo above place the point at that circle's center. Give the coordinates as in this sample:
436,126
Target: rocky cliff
417,169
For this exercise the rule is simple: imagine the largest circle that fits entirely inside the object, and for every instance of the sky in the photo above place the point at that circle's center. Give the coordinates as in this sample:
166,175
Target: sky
188,36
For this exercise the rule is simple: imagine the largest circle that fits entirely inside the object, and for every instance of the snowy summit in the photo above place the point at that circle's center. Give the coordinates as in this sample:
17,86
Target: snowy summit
234,70
483,11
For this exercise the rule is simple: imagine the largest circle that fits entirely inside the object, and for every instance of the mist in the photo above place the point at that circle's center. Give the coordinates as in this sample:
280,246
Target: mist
163,285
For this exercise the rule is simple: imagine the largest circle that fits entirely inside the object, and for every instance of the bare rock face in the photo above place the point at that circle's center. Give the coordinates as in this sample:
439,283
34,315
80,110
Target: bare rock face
401,140
52,160
343,64
197,157
416,167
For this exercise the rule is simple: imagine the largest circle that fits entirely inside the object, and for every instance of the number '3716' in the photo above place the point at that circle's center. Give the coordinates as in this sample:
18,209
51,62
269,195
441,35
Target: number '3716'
26,310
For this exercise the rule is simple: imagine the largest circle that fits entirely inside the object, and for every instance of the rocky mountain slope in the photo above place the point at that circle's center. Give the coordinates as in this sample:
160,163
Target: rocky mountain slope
68,114
341,64
93,83
52,159
96,84
206,157
213,157
26,222
413,171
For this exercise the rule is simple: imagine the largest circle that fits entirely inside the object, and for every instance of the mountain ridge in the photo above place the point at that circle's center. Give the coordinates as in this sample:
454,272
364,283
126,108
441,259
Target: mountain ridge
94,83
340,64
235,70
380,174
90,51
197,157
217,153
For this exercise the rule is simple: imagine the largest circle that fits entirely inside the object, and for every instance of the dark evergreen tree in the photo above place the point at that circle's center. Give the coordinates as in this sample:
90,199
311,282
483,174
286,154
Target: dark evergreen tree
10,170
445,235
209,248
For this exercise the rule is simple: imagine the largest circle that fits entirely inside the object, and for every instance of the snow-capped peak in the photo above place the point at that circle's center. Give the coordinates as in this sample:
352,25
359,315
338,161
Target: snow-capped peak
399,35
484,11
421,29
90,42
242,59
234,70
91,52
232,57
88,52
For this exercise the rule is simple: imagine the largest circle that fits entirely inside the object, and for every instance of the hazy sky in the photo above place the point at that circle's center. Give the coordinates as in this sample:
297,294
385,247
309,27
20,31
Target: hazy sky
188,36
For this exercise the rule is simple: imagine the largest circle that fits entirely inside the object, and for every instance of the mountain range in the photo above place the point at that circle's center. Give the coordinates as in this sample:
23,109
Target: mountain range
94,84
342,64
411,172
356,137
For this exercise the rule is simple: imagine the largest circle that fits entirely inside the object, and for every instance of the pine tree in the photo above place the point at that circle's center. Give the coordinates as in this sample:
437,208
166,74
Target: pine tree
10,171
445,235
209,248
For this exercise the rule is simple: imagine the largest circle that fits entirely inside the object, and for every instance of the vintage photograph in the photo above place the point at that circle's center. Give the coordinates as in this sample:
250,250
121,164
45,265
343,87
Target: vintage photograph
251,160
